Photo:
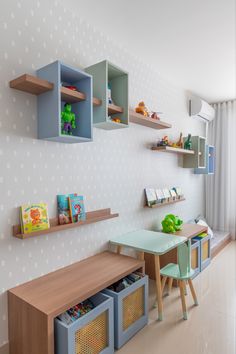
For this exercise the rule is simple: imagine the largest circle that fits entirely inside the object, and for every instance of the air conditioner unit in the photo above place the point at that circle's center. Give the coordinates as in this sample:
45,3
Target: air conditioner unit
201,110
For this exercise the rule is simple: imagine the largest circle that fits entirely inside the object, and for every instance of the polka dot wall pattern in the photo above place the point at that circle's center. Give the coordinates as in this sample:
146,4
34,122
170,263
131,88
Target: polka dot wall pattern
111,171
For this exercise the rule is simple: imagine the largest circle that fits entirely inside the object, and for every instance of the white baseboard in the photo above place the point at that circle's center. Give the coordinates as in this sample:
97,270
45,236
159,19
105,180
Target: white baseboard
4,349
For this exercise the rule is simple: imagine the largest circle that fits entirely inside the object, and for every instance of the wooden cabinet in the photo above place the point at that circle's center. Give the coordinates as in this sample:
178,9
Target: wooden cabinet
105,73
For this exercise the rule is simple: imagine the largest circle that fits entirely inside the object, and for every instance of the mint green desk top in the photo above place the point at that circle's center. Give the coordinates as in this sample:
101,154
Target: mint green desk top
152,242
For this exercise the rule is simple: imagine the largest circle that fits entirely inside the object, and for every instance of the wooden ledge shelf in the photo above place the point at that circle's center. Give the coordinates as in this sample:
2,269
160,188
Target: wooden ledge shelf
91,217
36,86
71,96
173,149
113,109
147,121
165,203
31,84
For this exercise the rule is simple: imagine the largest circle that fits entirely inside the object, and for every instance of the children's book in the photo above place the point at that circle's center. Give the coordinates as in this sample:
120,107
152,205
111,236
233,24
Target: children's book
34,217
178,191
150,196
173,194
77,210
160,196
166,193
63,208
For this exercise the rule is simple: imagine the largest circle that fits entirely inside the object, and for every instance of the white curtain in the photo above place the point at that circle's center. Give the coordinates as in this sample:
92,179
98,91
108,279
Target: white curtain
221,187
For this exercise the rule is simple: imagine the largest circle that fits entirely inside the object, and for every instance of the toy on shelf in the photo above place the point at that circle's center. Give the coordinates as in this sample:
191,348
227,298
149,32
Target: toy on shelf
171,224
110,100
188,143
67,120
179,143
71,87
142,109
116,120
164,141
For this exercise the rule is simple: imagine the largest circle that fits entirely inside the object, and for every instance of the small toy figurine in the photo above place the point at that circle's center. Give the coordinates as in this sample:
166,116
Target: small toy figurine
71,87
142,109
171,224
116,120
188,143
155,116
164,141
179,143
110,100
67,120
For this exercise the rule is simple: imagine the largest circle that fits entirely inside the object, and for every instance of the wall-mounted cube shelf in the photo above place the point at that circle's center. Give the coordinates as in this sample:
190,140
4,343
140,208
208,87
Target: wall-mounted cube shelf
172,149
51,103
147,121
210,162
198,159
104,73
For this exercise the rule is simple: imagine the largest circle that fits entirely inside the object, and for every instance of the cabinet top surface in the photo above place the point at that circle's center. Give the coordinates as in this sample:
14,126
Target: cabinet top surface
56,292
191,230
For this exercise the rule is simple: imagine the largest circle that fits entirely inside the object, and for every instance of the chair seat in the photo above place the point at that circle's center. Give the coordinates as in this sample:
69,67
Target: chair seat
171,270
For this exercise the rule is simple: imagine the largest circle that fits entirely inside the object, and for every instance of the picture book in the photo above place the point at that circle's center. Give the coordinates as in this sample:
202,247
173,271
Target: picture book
160,196
34,217
173,194
166,193
150,196
63,208
77,210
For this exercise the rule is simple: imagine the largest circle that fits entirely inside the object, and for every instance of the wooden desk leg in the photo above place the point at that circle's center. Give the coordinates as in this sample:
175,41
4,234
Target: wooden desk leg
140,256
158,288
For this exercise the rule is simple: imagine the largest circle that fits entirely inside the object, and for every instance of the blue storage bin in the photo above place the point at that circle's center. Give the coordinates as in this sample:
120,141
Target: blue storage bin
205,250
195,257
92,333
130,310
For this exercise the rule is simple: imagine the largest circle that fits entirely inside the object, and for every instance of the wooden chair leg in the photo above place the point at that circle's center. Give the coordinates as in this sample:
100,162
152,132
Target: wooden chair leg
193,292
163,283
170,283
185,287
181,287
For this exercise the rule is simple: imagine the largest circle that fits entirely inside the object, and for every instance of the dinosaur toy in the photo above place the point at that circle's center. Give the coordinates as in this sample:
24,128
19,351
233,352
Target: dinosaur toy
67,120
188,143
171,224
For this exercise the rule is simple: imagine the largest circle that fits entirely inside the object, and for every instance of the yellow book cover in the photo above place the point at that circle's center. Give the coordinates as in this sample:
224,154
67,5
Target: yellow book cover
34,217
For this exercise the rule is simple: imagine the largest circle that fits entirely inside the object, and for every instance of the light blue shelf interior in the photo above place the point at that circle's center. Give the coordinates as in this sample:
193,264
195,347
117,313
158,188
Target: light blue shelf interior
210,162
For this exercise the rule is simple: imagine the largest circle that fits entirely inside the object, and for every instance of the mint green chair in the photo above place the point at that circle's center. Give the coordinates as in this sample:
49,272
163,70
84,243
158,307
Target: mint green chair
182,272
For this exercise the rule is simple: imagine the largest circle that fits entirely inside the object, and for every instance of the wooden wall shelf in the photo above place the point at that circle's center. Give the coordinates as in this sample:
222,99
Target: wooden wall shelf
147,121
91,217
113,109
31,84
172,149
165,203
36,86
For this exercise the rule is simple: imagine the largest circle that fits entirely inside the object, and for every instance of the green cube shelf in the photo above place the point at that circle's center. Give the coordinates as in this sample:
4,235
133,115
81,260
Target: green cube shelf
104,73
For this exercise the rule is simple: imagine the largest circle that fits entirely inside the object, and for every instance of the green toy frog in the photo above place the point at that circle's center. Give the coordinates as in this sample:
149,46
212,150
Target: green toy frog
67,120
171,224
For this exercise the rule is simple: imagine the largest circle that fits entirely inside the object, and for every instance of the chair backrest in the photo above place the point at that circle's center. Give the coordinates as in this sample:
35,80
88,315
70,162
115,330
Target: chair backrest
184,257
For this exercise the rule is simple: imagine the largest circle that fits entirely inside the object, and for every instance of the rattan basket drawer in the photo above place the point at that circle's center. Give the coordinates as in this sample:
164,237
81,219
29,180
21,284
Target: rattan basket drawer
92,333
130,310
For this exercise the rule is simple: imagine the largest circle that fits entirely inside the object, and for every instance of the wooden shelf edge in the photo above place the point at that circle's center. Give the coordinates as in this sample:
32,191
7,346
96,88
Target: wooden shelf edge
113,109
31,84
91,217
71,96
172,149
165,203
147,121
97,101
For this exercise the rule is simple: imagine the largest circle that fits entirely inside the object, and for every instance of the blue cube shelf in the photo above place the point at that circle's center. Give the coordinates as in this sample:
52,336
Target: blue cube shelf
210,162
205,251
92,333
51,103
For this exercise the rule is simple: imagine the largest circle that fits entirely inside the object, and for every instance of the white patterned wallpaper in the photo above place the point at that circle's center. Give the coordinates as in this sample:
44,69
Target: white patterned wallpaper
111,172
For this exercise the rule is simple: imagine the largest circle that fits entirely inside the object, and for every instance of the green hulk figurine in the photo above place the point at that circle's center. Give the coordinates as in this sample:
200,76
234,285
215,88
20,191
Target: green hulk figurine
171,224
67,120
